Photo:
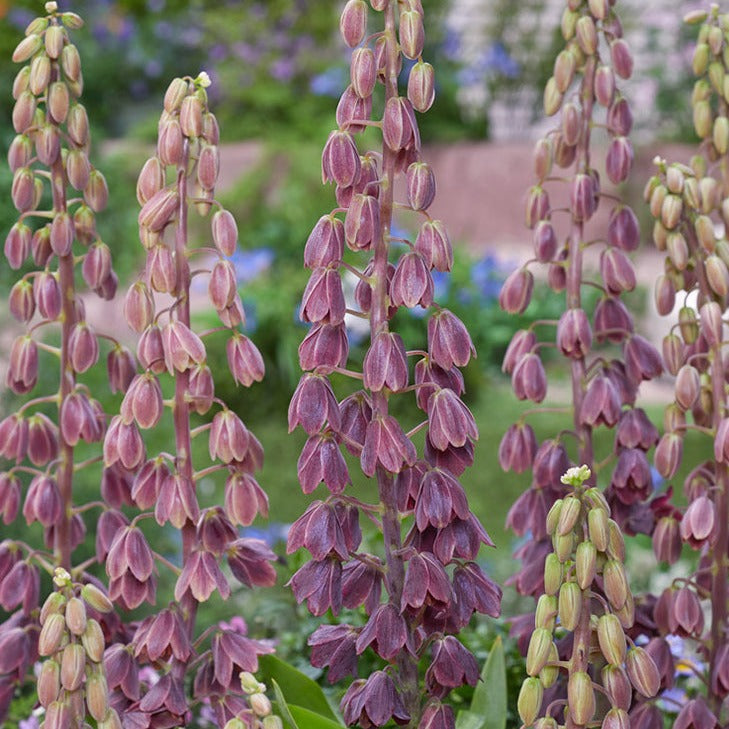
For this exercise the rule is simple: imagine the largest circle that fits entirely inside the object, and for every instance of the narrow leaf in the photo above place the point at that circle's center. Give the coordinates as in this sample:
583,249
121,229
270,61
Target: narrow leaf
283,707
489,698
297,687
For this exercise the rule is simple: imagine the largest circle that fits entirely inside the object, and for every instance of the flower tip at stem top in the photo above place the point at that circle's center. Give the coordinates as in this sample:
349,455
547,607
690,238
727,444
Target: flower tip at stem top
576,476
203,80
61,577
51,7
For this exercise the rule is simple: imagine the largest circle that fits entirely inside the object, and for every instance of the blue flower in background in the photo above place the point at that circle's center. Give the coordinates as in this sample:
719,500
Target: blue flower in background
249,265
271,534
487,275
496,60
657,479
329,83
20,18
249,306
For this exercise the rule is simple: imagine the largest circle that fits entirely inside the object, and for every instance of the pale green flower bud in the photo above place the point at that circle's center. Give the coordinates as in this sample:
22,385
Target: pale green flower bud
586,33
55,603
96,599
552,98
642,672
570,605
28,47
563,546
530,699
580,698
549,674
73,665
611,638
569,23
40,74
721,134
537,656
716,76
552,574
616,542
71,62
703,122
671,210
49,682
546,612
260,704
615,583
568,516
52,634
585,564
553,516
97,695
76,616
564,70
55,36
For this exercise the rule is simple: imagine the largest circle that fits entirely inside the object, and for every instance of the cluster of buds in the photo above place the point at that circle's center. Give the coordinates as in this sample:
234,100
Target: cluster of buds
583,88
49,159
690,207
182,174
260,714
429,576
587,598
72,680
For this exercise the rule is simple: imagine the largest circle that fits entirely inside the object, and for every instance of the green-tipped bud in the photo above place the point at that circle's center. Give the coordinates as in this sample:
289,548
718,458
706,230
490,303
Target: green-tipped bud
707,196
96,599
552,97
586,33
260,704
671,210
703,121
530,699
568,23
593,498
28,47
93,641
55,603
73,665
176,92
49,682
716,76
40,74
552,574
585,564
564,70
546,722
191,116
71,62
704,228
616,542
615,583
76,616
72,21
675,179
658,195
553,517
563,546
546,612
626,614
568,516
700,61
110,721
580,698
721,134
611,637
549,674
52,634
599,8
542,158
642,672
537,656
272,722
97,695
570,605
55,36
235,723
688,325
695,17
717,275
248,682
616,719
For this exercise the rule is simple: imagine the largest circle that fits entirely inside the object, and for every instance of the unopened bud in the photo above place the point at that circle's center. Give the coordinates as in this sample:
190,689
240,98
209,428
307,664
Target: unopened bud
568,515
260,704
73,664
97,696
570,605
55,36
530,698
642,672
76,616
49,682
552,574
412,34
96,599
272,722
40,75
353,22
564,70
93,641
580,698
615,582
421,86
191,113
612,639
552,97
585,564
586,33
52,634
537,656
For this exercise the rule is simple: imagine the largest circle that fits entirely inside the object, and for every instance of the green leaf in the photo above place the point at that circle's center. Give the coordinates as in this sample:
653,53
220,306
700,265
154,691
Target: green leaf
468,720
283,707
311,720
298,688
489,698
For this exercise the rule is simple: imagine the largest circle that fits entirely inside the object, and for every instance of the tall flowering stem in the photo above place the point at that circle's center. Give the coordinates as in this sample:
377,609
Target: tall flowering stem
584,91
603,389
182,176
690,205
431,583
49,159
585,567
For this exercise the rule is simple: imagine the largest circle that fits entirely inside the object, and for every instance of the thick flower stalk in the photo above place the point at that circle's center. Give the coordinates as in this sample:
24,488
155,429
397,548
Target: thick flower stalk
426,585
57,193
182,175
691,210
603,386
587,605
